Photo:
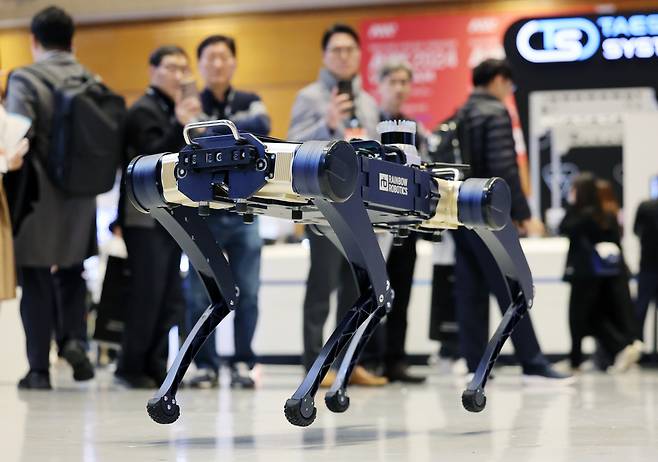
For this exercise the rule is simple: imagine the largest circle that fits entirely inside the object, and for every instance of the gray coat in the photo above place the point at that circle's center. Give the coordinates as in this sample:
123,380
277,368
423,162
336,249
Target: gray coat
59,230
309,112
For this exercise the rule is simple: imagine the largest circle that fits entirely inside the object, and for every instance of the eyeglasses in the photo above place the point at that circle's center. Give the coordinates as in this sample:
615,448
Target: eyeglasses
337,51
173,68
216,58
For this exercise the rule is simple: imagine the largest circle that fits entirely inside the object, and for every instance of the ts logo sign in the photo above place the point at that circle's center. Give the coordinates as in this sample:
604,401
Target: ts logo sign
558,40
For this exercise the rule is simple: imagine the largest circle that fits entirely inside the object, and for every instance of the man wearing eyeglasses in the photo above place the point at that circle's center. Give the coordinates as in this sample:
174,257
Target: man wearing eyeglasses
333,107
154,124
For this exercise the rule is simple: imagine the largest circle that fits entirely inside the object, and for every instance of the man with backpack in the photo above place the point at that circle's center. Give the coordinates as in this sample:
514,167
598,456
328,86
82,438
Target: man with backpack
488,146
54,225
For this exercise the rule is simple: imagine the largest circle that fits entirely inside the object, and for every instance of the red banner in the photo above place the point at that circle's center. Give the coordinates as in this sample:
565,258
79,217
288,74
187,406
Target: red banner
442,49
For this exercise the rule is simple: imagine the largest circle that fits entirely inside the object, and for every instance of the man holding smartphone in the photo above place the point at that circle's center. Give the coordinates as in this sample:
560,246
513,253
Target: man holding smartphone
333,107
154,124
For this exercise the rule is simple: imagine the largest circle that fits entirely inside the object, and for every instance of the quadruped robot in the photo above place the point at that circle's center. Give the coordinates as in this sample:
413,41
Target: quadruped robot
343,190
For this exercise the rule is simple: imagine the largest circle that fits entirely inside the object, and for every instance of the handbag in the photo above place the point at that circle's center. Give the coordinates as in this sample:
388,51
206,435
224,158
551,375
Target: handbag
606,259
115,295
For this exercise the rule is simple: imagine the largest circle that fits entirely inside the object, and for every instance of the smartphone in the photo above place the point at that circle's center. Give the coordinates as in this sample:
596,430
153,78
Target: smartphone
653,187
345,87
189,89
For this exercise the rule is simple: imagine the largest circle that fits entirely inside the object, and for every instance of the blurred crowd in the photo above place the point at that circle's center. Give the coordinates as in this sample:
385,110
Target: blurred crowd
47,231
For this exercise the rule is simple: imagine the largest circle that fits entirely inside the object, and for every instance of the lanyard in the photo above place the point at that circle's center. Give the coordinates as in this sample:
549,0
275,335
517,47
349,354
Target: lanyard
164,106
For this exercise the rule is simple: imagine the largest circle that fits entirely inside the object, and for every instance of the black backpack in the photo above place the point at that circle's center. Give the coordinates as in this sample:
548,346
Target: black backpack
85,148
449,142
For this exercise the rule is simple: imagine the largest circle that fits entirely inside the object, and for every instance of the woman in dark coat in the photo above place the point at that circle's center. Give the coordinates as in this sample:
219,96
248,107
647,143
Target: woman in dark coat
11,160
600,302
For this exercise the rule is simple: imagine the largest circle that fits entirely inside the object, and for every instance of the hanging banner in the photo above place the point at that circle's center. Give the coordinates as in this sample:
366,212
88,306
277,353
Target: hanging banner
442,49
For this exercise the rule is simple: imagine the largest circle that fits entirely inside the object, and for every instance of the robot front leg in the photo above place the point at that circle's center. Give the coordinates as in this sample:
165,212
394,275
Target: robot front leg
163,408
351,231
300,408
193,235
336,398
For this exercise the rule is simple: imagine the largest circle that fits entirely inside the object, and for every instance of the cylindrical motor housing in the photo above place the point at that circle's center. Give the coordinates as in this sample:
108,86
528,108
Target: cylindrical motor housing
475,202
143,182
325,169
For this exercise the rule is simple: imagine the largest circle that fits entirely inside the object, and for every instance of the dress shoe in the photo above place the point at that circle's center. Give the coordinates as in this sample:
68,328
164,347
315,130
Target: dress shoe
35,380
328,379
242,376
205,378
545,374
398,373
360,376
74,353
136,381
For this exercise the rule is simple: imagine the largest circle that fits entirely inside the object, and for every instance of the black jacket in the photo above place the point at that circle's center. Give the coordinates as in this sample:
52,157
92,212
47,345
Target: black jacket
151,127
584,231
646,228
491,144
244,109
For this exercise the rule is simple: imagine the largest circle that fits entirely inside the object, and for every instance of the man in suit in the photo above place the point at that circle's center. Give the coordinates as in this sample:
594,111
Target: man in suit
154,124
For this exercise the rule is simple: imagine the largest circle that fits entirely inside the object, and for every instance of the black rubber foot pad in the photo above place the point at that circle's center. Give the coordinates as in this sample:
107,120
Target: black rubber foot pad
300,413
474,400
337,402
164,410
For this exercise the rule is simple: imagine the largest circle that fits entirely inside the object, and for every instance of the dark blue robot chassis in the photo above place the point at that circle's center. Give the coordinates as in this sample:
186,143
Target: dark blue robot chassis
343,190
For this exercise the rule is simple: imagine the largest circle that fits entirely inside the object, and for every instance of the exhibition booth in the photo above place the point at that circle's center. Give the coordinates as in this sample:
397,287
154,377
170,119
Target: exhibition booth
585,101
583,97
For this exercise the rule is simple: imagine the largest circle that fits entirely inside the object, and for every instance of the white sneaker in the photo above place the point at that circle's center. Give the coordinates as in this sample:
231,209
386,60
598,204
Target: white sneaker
627,357
242,376
459,367
445,366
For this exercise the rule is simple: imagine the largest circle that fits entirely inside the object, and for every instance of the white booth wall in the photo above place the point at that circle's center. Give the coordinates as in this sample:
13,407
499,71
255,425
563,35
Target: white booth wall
284,273
640,165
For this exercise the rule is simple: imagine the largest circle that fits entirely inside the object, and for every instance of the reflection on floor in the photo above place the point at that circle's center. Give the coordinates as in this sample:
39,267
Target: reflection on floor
602,418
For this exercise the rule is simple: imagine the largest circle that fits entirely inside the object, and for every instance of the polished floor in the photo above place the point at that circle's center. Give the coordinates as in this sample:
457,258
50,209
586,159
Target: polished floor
602,418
